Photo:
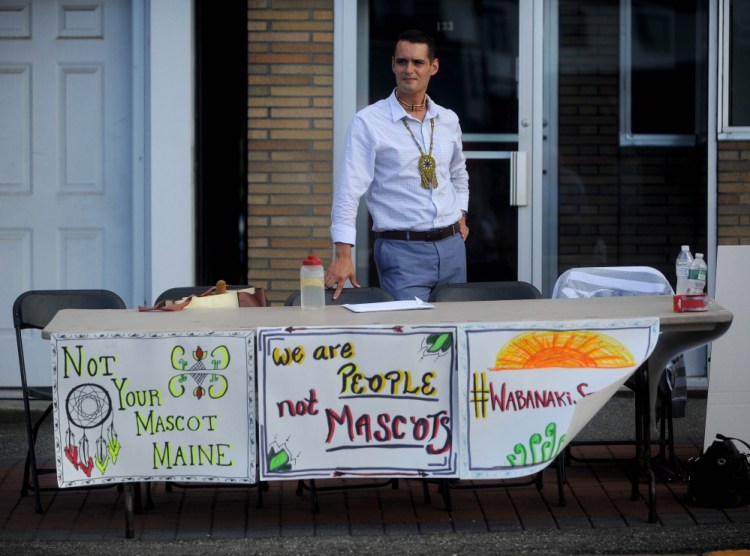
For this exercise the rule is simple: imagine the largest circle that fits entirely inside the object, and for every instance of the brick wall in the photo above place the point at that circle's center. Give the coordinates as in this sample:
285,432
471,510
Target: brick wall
588,161
290,139
734,193
618,205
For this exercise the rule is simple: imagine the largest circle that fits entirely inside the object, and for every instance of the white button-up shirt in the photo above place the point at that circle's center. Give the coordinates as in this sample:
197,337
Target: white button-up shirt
380,161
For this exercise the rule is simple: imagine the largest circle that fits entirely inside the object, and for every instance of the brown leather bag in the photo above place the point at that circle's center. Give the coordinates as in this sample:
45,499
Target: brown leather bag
248,297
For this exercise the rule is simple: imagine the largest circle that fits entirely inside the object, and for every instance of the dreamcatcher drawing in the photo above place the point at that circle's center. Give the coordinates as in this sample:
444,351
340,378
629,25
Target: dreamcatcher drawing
199,372
89,406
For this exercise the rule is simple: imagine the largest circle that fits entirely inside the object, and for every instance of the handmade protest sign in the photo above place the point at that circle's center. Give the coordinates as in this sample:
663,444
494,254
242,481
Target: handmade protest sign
355,402
528,388
154,407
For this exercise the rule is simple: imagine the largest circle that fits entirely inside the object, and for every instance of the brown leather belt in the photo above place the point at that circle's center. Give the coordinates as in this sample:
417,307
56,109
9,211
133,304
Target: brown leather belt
429,235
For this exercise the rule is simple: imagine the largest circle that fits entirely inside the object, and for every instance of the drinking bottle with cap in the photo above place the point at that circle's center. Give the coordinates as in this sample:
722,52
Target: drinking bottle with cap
311,283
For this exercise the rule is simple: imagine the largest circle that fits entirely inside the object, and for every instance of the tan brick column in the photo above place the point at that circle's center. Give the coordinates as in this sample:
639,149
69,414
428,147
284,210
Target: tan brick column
734,193
290,139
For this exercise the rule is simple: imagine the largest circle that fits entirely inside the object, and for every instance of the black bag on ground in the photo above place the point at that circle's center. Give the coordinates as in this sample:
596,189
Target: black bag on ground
720,478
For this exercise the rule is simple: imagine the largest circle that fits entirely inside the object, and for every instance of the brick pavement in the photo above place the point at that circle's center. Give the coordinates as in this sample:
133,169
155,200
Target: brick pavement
599,517
598,498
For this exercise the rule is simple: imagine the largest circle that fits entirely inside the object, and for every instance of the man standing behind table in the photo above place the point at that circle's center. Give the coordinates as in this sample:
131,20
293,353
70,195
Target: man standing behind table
404,153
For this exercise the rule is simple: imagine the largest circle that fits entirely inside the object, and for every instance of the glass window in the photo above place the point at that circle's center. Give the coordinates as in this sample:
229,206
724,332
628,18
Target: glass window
739,64
735,69
663,53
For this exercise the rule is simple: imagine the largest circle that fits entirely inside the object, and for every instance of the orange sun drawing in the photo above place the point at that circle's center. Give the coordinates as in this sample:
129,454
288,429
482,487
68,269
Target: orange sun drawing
569,349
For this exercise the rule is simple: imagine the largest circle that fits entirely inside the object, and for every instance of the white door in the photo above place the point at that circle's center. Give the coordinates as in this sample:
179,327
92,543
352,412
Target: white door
65,154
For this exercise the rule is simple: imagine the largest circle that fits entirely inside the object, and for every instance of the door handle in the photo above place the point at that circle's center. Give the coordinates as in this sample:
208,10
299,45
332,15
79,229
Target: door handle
519,179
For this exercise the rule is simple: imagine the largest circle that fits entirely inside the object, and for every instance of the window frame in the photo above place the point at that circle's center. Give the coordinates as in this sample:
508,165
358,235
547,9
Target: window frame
725,130
627,137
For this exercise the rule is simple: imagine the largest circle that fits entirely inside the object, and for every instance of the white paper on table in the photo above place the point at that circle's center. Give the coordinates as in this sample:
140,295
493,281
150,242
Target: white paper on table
404,305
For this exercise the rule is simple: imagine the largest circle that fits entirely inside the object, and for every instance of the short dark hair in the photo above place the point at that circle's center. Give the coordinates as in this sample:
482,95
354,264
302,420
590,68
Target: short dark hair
419,37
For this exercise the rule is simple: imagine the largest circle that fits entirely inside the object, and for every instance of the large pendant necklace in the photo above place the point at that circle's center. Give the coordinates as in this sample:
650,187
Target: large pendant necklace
427,164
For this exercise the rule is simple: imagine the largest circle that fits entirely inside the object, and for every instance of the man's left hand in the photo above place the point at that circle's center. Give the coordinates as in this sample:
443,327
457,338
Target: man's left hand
463,228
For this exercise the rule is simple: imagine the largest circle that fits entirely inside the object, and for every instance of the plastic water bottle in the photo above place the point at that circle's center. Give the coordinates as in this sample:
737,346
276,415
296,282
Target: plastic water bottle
682,265
311,283
697,274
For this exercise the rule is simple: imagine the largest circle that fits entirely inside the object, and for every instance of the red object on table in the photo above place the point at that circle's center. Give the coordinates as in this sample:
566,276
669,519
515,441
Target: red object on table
690,302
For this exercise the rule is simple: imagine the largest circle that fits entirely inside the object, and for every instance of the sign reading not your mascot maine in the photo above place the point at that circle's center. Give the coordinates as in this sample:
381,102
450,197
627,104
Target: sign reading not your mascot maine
527,389
355,402
154,407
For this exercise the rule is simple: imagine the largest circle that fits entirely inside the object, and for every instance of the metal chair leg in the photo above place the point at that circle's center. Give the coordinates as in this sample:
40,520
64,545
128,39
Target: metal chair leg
640,407
646,454
261,486
129,529
444,489
426,491
561,479
30,467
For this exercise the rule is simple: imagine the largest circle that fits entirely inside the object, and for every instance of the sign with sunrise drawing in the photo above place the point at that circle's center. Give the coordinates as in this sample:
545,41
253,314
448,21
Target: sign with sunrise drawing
526,389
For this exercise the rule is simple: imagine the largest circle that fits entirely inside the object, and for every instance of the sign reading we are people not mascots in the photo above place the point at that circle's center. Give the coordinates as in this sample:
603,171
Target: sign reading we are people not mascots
355,402
154,407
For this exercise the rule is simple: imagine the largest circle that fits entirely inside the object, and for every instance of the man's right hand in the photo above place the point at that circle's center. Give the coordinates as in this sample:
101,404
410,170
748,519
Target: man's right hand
341,270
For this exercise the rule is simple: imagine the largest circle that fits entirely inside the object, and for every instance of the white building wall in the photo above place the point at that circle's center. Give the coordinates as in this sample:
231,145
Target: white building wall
169,217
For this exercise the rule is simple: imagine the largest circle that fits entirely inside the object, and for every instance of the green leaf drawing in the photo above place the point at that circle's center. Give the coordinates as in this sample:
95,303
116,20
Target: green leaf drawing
439,342
278,461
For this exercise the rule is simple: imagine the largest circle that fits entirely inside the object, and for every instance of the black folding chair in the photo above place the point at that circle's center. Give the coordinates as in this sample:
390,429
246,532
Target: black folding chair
34,310
485,291
348,295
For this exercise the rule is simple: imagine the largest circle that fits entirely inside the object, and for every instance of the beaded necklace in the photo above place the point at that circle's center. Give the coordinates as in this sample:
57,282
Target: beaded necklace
412,107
